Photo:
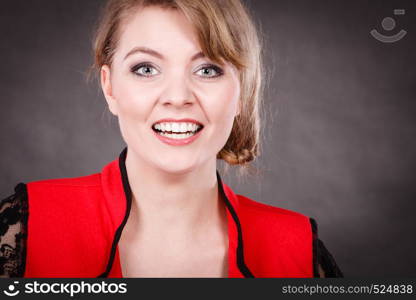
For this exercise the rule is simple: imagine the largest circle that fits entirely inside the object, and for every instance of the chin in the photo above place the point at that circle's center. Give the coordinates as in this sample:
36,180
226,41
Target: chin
177,166
177,170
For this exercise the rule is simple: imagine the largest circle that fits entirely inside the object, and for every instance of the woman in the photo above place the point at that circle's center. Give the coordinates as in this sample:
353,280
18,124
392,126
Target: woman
184,80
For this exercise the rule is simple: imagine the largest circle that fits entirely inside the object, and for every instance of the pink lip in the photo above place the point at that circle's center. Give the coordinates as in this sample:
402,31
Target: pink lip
175,142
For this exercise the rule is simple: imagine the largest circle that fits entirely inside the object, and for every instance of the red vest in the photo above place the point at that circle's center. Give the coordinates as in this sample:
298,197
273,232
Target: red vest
74,226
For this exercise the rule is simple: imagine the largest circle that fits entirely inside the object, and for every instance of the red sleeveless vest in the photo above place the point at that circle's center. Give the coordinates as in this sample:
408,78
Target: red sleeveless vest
74,225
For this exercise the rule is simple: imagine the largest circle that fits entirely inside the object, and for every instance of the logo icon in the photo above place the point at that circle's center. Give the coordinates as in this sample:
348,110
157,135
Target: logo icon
11,291
389,24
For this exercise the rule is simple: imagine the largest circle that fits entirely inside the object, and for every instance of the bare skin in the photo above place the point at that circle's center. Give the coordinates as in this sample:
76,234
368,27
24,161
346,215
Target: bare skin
164,251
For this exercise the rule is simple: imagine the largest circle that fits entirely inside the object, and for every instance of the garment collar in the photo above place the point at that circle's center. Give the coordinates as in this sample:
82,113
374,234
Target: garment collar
116,186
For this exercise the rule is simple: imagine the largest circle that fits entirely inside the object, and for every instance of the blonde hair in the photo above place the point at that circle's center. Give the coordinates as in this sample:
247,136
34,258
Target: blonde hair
226,32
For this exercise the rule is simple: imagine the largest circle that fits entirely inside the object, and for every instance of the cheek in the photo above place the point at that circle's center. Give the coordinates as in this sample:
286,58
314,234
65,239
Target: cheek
134,101
223,104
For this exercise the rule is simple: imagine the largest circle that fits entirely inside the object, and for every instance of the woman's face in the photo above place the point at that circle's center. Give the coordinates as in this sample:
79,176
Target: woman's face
158,73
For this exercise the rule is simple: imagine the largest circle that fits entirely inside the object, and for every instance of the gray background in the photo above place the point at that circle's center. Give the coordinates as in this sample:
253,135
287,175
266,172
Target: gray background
339,142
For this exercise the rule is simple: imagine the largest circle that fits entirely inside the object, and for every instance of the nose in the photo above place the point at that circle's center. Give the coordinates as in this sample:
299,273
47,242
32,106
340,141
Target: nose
177,92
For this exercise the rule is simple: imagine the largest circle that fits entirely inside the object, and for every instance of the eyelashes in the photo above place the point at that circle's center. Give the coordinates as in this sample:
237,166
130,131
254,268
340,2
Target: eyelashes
146,69
218,70
143,66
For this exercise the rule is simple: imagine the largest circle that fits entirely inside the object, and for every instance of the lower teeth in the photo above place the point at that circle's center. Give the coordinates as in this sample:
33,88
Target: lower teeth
176,135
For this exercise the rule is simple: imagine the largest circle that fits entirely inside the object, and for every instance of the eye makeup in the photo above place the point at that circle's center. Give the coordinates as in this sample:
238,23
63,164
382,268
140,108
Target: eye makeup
143,65
218,70
146,66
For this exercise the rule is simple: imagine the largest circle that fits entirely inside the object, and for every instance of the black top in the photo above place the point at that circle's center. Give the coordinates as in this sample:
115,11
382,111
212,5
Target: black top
13,236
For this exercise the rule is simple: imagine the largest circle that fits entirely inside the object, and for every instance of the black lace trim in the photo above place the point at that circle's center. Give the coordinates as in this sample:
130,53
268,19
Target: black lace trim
322,257
14,210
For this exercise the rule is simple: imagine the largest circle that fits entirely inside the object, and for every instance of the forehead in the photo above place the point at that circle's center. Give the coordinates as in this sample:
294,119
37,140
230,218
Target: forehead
158,28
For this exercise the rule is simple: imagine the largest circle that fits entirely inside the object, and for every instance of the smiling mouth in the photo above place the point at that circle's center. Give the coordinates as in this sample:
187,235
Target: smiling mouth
176,130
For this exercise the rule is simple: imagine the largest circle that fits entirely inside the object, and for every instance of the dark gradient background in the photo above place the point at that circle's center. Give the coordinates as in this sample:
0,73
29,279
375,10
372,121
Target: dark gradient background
339,142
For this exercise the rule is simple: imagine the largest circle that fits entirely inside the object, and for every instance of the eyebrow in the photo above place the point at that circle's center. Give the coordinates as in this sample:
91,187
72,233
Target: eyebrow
157,54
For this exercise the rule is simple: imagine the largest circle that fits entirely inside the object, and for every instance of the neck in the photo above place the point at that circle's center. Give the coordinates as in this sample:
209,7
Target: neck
182,203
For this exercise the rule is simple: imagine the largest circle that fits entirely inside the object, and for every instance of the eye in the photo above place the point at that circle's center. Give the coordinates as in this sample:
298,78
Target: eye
144,70
210,71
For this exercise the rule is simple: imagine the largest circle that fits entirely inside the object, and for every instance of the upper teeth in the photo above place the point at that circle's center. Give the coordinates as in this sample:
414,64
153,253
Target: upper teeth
177,126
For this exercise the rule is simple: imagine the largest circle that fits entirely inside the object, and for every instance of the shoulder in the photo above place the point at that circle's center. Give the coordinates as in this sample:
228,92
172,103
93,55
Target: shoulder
261,210
267,209
49,186
11,206
81,181
272,218
13,228
62,193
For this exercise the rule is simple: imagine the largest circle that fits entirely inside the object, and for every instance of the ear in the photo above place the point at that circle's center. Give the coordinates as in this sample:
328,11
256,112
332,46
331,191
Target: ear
105,77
